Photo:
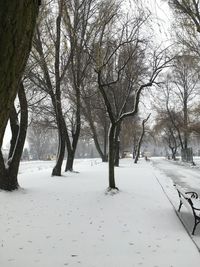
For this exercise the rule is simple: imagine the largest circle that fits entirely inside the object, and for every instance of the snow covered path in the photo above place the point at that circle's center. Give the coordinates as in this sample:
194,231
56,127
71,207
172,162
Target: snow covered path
69,221
186,176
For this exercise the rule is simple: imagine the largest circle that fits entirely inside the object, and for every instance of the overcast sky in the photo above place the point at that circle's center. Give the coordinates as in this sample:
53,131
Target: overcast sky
161,12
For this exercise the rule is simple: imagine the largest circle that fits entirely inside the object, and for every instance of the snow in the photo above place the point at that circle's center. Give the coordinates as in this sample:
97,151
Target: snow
70,221
188,177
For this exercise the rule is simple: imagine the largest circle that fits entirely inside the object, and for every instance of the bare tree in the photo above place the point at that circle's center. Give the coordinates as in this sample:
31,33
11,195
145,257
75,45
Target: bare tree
115,56
49,67
61,64
167,129
79,30
189,9
94,112
141,139
42,140
17,26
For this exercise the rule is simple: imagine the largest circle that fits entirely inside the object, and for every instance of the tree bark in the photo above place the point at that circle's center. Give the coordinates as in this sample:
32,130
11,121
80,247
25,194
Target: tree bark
56,99
70,161
14,125
117,144
8,178
111,157
60,155
140,140
17,22
185,119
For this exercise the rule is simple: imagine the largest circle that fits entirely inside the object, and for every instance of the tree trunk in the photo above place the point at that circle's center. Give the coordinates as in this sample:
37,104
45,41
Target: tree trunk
138,147
8,179
105,158
105,154
117,144
173,149
70,161
75,135
111,157
174,154
117,149
14,125
60,156
17,22
185,118
140,140
57,98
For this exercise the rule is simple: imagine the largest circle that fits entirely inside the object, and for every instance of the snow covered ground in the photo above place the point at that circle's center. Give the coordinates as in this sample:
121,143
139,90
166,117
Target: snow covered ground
70,221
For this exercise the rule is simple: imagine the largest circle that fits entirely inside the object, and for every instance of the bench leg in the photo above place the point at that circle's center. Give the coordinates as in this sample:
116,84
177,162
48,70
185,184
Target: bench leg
195,225
179,208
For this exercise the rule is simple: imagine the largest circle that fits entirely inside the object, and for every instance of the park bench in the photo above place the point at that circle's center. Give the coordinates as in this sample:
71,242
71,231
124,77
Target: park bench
191,201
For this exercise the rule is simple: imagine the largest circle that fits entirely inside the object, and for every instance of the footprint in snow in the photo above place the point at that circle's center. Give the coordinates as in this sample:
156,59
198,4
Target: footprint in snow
11,259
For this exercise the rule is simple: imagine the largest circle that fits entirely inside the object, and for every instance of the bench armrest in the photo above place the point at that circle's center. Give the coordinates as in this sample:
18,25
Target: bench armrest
193,194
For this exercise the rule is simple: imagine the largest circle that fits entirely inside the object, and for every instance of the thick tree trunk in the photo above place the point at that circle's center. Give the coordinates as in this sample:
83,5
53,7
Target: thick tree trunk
8,179
117,149
61,135
111,157
14,125
105,154
60,156
70,161
17,22
75,136
57,98
117,144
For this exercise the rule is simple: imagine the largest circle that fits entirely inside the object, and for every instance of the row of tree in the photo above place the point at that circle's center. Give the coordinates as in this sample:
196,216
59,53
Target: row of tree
90,62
